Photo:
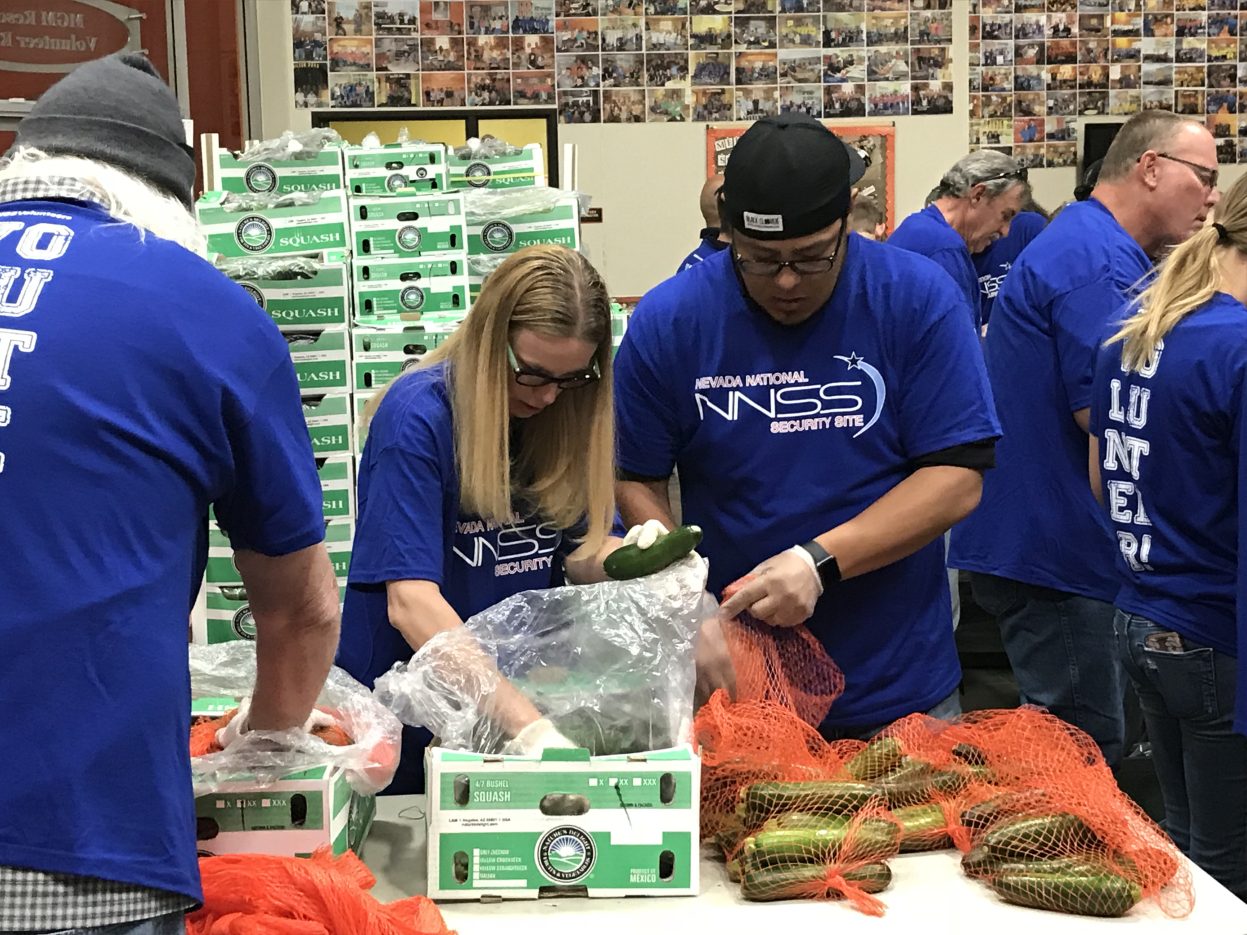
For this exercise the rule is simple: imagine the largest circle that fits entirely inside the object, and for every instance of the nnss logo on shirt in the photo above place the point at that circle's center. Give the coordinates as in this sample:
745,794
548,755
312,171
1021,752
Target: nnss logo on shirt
511,548
793,402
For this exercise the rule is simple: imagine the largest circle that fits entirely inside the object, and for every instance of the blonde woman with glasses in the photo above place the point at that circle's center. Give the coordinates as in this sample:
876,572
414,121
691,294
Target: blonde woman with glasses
489,470
1169,464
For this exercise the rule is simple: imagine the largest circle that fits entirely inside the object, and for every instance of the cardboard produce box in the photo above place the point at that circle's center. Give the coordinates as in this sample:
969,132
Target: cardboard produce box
291,818
339,534
329,422
404,168
382,352
313,172
408,227
302,292
229,615
337,486
525,169
518,827
299,228
322,359
509,232
404,289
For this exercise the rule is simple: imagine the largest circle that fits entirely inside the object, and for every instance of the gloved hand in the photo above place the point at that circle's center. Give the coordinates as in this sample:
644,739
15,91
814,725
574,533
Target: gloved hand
239,725
646,534
714,662
537,736
782,592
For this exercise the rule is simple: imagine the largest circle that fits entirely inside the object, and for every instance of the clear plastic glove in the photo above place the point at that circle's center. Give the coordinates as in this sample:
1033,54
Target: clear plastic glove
537,736
782,592
239,725
646,534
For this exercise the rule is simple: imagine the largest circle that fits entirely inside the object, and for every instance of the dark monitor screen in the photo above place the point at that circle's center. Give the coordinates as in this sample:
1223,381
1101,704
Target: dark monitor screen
1096,140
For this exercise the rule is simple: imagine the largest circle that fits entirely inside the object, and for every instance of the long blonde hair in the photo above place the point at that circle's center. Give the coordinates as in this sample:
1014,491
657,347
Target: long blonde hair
564,467
1188,278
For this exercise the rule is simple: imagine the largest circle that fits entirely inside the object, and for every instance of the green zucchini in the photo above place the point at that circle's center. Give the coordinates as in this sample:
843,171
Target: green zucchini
1079,866
919,786
1037,837
923,828
761,800
629,562
874,837
876,759
1105,894
970,754
808,880
979,863
998,808
797,821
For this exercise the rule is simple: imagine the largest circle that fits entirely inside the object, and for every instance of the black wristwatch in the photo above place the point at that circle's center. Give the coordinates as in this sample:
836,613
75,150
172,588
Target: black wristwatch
824,561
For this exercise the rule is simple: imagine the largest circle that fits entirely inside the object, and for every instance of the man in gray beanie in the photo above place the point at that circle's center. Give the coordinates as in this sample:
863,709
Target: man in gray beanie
138,388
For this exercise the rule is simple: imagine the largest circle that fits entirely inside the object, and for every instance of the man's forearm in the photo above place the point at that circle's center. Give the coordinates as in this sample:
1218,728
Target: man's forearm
915,512
642,500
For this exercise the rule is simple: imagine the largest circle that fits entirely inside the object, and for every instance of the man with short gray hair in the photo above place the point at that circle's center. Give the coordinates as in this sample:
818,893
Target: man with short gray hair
973,205
1039,548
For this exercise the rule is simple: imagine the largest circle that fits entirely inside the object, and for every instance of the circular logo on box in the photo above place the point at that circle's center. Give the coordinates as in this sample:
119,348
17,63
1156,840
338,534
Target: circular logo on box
566,854
497,236
254,233
253,292
396,182
243,624
260,178
478,174
422,172
408,238
412,298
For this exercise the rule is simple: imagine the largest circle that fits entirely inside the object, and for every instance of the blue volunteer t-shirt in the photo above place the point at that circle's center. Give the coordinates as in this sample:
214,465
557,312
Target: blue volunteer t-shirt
138,386
782,433
994,263
1038,522
1173,463
410,527
709,246
928,234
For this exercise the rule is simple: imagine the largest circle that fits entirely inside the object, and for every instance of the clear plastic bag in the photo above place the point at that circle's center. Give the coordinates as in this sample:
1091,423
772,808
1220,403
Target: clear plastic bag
234,201
291,145
270,268
227,670
610,664
487,147
483,204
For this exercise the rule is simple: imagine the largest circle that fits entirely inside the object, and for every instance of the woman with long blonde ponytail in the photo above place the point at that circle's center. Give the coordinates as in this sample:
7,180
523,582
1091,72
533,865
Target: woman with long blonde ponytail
1169,462
489,470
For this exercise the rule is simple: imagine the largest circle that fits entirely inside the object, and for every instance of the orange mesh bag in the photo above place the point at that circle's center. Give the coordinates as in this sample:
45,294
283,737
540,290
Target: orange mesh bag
204,731
1052,830
256,894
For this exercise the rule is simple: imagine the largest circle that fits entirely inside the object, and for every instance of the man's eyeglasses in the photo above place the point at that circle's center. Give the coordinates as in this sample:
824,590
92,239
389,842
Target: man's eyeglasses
1207,176
771,268
526,376
1019,173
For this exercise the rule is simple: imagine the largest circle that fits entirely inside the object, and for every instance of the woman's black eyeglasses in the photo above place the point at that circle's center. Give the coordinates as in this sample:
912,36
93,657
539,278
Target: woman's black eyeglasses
526,376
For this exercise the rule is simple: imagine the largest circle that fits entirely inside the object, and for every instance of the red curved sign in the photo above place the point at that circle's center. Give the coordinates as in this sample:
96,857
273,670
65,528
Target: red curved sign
57,33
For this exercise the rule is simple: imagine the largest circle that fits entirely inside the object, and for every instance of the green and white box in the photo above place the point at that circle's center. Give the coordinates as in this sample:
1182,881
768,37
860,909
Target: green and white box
220,571
301,228
405,168
302,292
398,289
329,423
337,486
313,172
229,615
382,352
290,818
526,169
509,232
339,534
322,359
627,825
408,227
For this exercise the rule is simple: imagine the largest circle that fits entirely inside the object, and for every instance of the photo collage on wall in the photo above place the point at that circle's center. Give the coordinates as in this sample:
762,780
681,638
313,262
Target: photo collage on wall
1037,66
629,61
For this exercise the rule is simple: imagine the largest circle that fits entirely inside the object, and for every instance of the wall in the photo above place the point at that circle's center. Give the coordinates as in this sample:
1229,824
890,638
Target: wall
646,178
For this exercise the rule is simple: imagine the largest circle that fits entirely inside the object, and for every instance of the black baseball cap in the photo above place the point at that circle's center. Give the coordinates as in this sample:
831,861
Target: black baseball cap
788,176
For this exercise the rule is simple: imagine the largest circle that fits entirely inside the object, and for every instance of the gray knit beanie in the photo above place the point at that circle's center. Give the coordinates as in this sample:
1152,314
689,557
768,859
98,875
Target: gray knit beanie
119,111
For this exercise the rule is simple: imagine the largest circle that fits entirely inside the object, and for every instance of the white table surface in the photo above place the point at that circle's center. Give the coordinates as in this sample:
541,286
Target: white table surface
929,896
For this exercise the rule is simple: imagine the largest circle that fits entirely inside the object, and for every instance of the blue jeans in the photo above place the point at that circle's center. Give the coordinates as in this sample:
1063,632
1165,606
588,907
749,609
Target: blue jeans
173,923
946,710
1188,703
1063,654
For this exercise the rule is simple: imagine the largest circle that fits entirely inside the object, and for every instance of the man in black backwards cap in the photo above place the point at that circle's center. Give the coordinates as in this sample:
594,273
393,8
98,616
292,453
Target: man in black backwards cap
825,401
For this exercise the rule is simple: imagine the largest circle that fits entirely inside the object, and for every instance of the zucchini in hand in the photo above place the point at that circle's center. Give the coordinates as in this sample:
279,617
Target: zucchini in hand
629,561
